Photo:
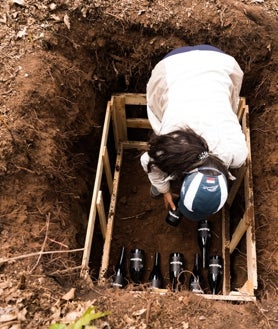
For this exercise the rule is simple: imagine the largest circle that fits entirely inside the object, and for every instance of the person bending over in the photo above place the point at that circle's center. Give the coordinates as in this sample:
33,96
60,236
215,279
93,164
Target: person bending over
192,103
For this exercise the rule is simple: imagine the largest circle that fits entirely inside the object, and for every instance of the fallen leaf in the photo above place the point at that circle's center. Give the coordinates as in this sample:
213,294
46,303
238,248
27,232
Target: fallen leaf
139,312
72,316
8,317
21,33
185,325
67,21
70,294
19,2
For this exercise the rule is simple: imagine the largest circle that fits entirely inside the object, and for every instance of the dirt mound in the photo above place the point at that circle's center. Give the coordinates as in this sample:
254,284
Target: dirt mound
61,61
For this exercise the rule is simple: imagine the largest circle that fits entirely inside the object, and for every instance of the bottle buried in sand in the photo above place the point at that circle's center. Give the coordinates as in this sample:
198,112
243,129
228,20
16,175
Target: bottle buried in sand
176,268
204,237
119,280
215,272
174,216
156,278
137,265
196,280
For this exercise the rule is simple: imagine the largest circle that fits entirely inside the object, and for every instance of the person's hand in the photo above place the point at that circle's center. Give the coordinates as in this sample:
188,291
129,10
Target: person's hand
168,200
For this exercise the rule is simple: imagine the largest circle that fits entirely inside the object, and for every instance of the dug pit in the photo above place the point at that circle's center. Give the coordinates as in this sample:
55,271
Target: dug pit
52,125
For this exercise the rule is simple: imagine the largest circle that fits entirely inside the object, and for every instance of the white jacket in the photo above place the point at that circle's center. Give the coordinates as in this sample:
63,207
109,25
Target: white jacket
197,89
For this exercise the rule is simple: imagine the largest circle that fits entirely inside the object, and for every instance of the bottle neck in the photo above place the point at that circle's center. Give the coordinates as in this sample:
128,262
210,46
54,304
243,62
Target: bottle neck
121,258
196,262
156,260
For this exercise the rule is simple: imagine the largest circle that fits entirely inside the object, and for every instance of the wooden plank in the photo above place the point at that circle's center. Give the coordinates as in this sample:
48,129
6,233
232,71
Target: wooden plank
236,185
240,175
135,145
226,285
241,108
247,288
107,168
101,214
134,99
92,215
251,257
115,123
119,119
110,219
233,296
247,223
249,204
239,232
120,104
138,123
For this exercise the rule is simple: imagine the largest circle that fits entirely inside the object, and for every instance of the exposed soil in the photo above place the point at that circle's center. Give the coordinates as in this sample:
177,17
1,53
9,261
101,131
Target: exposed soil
60,62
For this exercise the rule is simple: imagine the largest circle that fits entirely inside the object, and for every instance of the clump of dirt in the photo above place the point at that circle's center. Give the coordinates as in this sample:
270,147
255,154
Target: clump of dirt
61,61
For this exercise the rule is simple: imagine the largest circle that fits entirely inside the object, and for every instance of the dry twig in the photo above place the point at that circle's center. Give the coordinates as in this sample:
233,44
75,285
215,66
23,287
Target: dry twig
69,269
44,242
7,260
141,214
263,315
148,312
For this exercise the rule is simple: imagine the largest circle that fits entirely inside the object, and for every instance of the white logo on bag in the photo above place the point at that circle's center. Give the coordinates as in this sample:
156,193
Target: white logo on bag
210,188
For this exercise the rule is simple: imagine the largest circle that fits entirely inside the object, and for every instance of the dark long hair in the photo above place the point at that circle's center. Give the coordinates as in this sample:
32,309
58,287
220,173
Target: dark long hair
178,152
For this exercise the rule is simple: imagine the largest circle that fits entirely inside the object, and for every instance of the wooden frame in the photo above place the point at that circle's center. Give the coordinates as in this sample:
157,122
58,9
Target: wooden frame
116,115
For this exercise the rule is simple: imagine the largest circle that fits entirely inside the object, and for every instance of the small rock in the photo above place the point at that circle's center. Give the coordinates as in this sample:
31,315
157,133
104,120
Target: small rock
52,6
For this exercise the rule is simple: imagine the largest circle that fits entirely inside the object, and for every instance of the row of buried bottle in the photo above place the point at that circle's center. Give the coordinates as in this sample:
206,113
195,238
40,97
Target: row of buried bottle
176,272
176,266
